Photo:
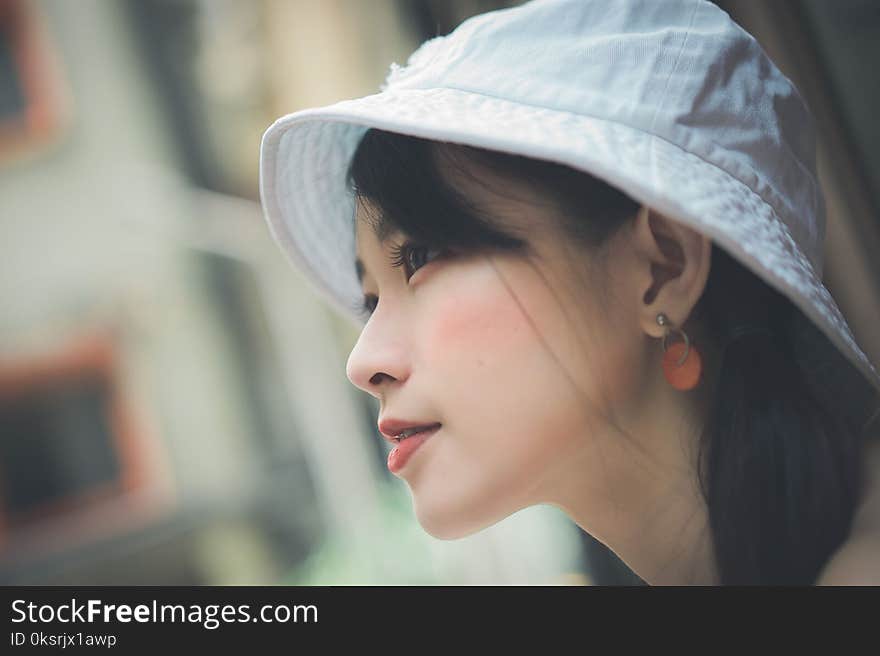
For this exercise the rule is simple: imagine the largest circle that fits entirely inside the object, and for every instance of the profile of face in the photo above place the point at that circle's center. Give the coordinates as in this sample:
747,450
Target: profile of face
532,364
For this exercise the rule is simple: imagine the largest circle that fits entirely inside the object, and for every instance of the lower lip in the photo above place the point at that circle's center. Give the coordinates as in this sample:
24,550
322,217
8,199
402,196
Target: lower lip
401,453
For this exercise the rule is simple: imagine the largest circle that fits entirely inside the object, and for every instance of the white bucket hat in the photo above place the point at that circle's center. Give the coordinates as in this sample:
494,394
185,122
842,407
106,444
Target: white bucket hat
670,101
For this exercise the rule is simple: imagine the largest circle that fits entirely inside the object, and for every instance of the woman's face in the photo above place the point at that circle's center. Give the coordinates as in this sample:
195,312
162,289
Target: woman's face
502,350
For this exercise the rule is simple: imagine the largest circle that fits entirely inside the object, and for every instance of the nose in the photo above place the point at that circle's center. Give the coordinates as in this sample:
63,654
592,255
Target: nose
377,360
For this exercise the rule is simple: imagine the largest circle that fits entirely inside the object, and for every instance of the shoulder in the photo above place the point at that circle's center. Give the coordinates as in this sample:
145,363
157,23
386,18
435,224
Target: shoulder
867,518
857,561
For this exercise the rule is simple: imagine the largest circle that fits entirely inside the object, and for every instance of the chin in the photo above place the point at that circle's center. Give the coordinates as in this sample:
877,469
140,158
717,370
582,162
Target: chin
445,524
448,530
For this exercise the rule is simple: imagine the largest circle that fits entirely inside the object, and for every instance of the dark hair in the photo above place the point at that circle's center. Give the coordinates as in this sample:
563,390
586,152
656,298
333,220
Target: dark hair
779,456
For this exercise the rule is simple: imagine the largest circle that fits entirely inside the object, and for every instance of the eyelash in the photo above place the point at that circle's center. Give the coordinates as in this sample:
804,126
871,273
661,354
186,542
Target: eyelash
399,258
400,254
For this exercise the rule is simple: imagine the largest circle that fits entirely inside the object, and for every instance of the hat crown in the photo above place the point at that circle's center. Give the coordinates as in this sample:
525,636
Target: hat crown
681,70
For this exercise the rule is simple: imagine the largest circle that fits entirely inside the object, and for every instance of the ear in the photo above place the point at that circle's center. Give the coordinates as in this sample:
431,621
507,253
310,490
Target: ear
673,263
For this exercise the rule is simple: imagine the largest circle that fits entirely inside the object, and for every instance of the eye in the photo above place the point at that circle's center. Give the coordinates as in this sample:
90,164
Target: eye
411,256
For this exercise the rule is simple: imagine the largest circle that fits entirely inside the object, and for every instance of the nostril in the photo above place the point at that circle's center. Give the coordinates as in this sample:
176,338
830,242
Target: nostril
377,378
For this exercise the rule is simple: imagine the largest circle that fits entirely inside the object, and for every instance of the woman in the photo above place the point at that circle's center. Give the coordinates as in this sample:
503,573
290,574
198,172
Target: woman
588,245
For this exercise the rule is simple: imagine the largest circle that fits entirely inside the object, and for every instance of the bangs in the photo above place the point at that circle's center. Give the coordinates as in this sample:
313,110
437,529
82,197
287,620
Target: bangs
398,177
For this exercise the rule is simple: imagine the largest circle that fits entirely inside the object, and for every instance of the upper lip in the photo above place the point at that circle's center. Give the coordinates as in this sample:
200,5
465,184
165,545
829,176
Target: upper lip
391,428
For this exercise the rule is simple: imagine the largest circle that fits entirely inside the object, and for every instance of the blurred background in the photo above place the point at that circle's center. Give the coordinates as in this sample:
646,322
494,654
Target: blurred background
173,401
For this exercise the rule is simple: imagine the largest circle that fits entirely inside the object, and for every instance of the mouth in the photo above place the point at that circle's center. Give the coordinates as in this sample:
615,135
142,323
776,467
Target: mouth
406,446
400,430
410,432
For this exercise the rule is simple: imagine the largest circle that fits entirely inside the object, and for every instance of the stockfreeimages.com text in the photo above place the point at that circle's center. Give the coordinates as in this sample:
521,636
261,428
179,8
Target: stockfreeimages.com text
210,616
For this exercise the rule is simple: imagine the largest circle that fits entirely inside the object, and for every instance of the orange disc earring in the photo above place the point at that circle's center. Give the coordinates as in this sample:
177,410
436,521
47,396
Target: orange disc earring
682,364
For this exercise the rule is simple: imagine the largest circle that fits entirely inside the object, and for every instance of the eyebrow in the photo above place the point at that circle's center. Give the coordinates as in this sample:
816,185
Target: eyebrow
383,229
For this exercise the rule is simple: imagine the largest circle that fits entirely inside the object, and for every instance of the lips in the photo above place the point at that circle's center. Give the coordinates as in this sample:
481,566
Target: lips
403,451
391,428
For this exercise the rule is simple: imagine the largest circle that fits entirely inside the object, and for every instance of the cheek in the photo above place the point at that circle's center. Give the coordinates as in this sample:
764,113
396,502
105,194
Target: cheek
472,317
513,415
481,356
474,323
483,312
481,343
489,367
492,355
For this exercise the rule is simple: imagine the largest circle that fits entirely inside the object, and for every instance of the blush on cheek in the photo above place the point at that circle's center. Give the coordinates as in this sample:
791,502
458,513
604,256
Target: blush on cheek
472,322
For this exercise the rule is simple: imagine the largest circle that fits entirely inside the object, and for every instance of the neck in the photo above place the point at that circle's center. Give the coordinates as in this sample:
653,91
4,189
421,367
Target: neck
661,533
648,509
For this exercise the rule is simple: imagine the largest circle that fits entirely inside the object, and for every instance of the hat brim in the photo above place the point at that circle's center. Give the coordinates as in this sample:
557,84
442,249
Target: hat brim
304,157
